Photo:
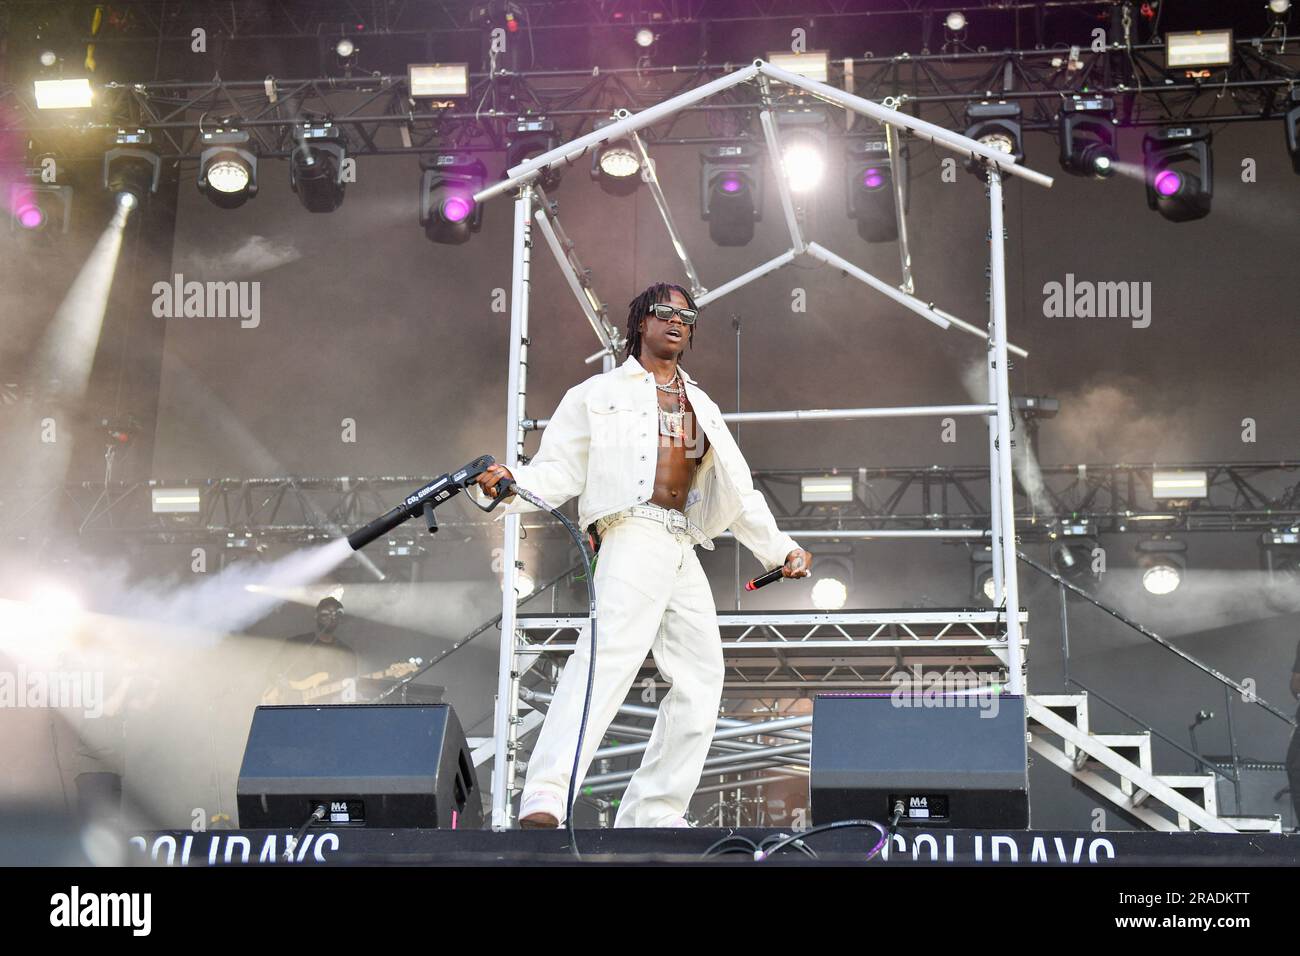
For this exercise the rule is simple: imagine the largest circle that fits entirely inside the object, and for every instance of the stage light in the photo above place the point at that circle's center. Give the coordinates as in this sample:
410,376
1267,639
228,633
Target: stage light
227,167
812,65
316,166
996,125
981,575
955,21
1179,172
524,584
131,171
438,80
74,94
829,594
1280,560
530,137
804,165
616,165
731,193
345,48
825,489
1087,132
48,58
175,500
1072,557
1179,485
1162,562
448,211
1197,49
1291,123
39,208
645,37
870,183
1279,6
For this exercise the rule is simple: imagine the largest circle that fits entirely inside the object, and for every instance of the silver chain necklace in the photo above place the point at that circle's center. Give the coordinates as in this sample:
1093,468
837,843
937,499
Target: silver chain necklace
673,424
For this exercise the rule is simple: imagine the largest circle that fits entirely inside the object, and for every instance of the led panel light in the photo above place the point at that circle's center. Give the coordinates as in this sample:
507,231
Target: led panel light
438,80
63,94
175,500
826,489
1198,48
814,65
1176,485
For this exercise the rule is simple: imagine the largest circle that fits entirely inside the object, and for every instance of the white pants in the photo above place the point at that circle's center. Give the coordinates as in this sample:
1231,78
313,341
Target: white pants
652,597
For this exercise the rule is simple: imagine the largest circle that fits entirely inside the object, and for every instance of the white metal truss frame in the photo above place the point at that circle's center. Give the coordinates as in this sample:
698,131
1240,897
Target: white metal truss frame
530,206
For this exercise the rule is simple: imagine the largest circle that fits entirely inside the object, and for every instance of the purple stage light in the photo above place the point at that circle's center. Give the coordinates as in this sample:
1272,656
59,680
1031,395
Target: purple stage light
731,184
1168,182
872,178
457,208
30,216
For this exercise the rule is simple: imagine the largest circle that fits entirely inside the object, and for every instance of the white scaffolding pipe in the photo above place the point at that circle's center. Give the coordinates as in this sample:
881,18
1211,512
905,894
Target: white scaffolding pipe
879,533
909,302
883,114
777,159
995,499
766,727
900,219
651,178
836,414
650,713
1006,527
574,149
757,272
976,331
571,277
593,782
506,708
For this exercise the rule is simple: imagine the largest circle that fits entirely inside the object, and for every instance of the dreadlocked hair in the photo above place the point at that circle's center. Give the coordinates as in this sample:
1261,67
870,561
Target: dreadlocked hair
639,308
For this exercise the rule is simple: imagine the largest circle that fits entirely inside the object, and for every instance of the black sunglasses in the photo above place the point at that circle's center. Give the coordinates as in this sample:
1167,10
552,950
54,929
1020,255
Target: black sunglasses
665,311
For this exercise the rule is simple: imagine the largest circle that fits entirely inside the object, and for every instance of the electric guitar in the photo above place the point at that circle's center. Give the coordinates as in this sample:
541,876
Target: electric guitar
319,685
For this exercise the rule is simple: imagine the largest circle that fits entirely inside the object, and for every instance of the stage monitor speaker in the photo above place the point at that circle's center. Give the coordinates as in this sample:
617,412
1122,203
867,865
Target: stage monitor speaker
371,765
953,761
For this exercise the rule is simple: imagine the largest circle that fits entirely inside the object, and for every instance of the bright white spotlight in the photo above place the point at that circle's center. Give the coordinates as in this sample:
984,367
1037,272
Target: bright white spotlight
127,201
63,94
955,21
829,594
619,161
524,584
645,37
1162,578
804,165
345,48
228,175
48,58
55,606
990,588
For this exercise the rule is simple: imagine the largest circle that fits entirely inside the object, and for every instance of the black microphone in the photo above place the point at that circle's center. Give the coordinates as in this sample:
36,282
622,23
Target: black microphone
424,499
764,579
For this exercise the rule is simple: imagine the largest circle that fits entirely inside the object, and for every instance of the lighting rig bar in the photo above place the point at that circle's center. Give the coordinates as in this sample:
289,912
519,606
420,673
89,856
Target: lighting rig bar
1084,499
380,118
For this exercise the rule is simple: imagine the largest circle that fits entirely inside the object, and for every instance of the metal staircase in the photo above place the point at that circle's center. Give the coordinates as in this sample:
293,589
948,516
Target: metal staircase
1118,768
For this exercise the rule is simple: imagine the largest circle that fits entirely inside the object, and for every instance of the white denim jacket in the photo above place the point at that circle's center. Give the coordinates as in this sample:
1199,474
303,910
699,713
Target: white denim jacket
602,444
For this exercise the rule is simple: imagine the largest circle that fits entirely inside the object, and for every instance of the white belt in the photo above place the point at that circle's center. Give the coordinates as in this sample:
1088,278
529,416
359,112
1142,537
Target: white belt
674,521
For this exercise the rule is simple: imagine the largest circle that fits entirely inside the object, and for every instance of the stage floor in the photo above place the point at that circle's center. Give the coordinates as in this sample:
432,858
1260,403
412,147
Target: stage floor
909,847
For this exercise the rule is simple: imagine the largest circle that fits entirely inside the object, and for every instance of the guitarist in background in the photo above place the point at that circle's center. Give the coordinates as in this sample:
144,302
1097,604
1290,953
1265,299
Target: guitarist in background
305,655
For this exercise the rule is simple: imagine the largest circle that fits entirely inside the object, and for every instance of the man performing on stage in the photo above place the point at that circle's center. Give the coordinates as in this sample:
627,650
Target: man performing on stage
657,472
